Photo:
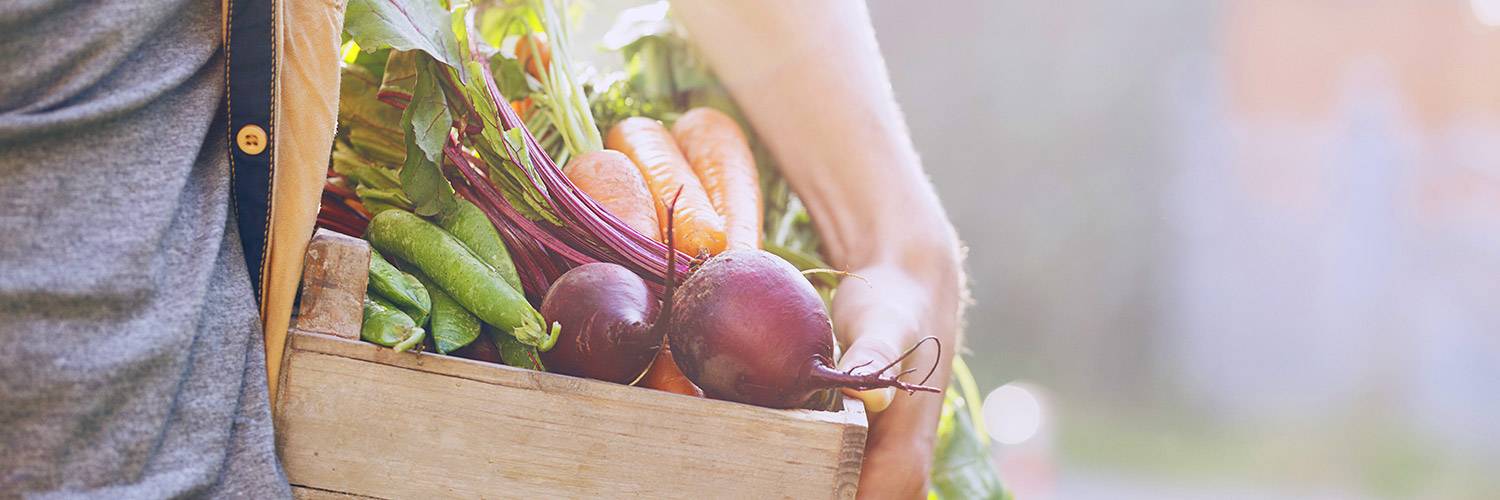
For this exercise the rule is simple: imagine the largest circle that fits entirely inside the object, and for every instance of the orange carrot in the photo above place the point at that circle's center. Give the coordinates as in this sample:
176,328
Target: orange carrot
721,158
611,179
665,376
700,230
538,65
522,107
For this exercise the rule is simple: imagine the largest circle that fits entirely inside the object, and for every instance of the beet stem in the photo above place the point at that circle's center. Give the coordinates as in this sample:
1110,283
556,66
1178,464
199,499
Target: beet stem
671,285
835,272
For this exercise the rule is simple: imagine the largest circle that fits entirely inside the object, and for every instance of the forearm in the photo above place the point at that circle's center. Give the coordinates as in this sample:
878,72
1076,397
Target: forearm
810,78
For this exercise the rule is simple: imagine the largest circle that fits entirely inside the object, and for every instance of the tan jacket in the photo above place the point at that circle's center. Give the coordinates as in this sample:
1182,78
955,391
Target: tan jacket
282,78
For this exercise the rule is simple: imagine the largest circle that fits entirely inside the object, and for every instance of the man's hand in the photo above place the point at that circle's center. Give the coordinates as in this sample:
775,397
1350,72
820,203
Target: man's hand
879,318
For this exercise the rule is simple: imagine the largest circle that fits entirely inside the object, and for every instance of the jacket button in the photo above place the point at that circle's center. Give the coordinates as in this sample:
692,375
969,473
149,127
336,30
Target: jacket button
251,139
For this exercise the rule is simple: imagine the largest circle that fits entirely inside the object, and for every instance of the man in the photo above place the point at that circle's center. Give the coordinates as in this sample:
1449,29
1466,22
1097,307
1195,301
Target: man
130,350
130,356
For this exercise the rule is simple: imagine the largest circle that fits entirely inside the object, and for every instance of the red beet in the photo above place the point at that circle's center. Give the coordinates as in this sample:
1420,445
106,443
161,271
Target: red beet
481,349
748,327
606,314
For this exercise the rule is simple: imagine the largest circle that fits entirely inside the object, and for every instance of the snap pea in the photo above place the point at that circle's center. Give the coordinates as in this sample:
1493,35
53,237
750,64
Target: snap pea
456,270
401,289
452,326
386,325
469,224
514,353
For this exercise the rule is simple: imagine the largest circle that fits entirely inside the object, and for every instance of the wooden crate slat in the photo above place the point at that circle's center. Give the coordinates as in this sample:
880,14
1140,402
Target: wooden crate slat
333,284
356,418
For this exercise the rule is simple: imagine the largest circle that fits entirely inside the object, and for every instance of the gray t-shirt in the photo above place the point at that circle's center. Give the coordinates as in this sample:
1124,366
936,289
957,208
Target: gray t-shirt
130,353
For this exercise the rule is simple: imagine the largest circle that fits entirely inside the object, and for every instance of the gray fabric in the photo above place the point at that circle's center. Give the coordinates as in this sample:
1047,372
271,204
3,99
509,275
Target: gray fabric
130,354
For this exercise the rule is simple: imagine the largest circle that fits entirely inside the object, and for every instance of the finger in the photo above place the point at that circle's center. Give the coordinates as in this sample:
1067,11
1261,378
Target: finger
899,449
875,331
891,474
897,465
874,350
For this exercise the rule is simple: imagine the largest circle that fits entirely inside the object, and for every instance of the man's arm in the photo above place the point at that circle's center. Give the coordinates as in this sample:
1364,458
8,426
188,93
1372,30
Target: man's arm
810,78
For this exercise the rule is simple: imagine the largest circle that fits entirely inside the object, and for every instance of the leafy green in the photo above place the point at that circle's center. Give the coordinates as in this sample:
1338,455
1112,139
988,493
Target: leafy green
428,111
373,61
506,18
400,76
562,94
510,77
961,465
378,200
380,145
371,126
440,38
514,353
427,124
516,184
363,171
404,25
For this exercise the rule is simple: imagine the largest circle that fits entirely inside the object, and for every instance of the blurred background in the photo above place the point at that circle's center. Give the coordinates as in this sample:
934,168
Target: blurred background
1232,249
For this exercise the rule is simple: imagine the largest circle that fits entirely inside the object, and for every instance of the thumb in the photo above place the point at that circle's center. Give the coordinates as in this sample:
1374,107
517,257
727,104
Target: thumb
869,353
873,317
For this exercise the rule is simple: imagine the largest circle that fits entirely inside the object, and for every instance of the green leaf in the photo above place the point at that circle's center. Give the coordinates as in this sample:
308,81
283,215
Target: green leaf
371,126
961,466
428,111
510,77
515,184
404,25
516,141
348,162
372,61
514,353
400,74
377,200
506,18
427,124
650,69
383,145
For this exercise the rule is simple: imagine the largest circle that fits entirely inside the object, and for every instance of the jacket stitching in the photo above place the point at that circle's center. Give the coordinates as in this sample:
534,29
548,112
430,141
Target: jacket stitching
265,251
228,112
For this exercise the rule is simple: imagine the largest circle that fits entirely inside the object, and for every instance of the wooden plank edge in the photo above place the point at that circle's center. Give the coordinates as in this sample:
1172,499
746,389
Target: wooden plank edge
300,492
479,371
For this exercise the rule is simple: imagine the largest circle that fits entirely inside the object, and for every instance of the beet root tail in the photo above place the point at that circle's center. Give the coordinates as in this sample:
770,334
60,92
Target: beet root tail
821,375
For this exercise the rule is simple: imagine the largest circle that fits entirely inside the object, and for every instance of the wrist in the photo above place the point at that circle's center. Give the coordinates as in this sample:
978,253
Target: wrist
932,257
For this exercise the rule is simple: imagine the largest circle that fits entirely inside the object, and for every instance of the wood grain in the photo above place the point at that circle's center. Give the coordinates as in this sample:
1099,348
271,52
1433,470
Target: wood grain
359,419
336,271
305,493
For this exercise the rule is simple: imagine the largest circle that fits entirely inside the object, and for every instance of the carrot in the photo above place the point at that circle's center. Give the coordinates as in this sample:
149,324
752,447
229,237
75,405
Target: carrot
720,155
611,179
700,230
534,65
522,107
665,376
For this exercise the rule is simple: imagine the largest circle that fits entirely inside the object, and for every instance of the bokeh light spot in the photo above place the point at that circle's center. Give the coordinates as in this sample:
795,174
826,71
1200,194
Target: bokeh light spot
1012,414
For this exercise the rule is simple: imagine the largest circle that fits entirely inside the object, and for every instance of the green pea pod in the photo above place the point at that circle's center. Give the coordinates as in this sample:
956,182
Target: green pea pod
469,224
452,326
514,353
401,289
386,325
454,268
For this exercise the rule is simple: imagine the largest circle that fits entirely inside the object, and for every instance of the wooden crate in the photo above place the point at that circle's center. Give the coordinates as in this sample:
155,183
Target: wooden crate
353,418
